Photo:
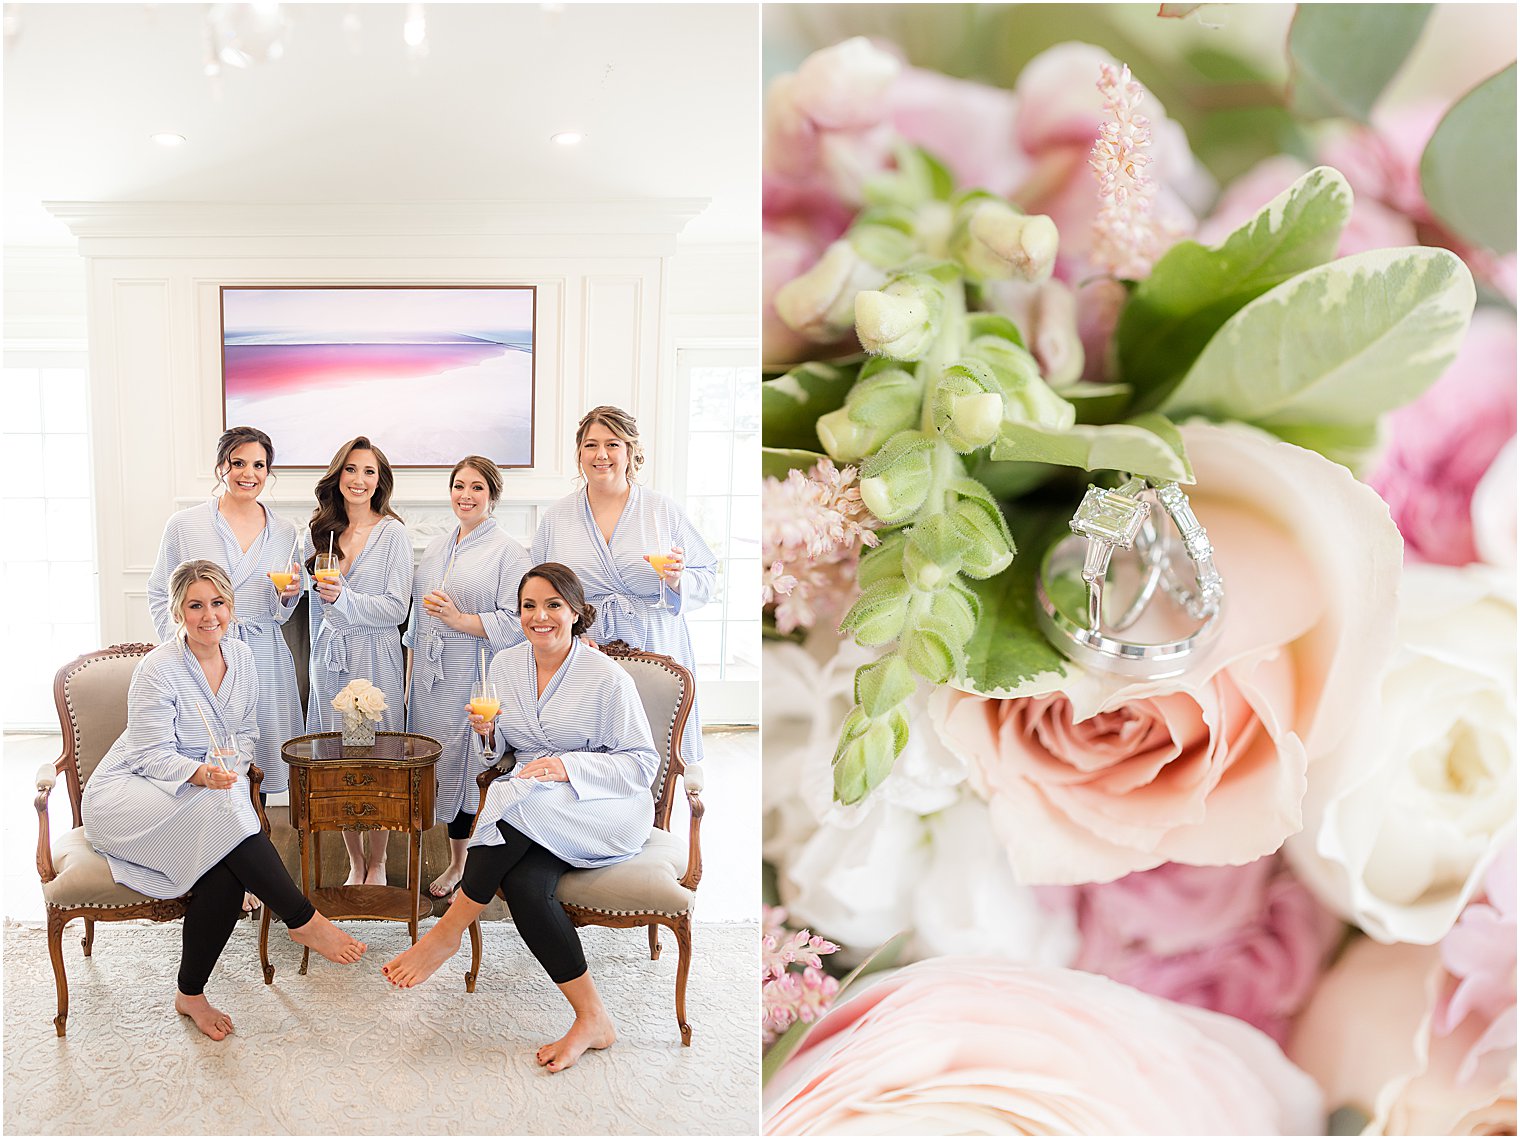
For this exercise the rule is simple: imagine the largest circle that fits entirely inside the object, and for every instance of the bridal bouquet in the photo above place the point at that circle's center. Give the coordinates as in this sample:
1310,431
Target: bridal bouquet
1292,865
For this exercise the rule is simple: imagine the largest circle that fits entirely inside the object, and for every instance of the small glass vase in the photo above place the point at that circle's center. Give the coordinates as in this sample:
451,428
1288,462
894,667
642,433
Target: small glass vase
358,731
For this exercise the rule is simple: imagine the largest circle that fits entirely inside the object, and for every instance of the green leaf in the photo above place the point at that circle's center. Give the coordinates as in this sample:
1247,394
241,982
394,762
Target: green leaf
992,324
1007,648
791,404
775,463
1129,447
1340,344
1468,169
1193,289
1347,444
1343,55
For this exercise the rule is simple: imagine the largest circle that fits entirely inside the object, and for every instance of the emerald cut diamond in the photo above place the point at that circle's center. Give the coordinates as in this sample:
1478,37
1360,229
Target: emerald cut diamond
1110,516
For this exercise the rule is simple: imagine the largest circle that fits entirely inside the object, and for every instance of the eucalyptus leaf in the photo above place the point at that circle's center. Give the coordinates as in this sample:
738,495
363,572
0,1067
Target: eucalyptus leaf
1131,447
1468,169
1194,289
776,462
1007,648
791,404
1340,344
1343,55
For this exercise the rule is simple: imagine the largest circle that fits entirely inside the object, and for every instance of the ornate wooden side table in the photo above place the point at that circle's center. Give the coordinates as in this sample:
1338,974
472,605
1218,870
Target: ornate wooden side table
388,785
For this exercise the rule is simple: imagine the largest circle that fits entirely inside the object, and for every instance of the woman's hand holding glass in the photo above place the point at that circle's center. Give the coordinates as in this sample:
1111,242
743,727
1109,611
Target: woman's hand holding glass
668,568
441,605
214,775
326,578
545,769
484,706
287,581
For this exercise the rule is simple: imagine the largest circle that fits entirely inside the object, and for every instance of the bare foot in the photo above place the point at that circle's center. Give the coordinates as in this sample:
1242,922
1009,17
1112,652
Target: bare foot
376,875
447,882
583,1034
212,1021
421,961
355,875
251,904
328,940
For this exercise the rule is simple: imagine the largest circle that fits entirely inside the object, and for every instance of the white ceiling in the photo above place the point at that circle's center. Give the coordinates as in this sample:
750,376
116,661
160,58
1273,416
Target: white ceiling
667,96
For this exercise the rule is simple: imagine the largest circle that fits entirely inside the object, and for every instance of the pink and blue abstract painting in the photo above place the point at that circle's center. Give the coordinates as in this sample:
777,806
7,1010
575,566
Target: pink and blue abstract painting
430,374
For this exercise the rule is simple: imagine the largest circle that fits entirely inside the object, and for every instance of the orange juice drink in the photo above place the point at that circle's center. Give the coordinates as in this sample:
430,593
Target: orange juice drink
485,709
281,580
325,574
660,561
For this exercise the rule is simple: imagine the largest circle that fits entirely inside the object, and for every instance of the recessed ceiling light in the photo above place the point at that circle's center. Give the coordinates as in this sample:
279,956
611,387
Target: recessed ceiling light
567,138
168,138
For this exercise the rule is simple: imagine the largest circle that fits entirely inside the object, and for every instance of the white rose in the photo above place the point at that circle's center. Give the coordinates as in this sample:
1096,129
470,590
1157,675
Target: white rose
1493,510
1399,832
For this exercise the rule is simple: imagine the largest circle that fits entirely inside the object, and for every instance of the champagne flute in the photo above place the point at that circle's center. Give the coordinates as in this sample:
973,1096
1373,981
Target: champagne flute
658,562
282,577
325,568
486,703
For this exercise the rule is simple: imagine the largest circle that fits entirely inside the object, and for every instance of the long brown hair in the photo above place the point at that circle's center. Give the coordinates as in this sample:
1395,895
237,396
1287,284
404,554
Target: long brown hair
331,516
568,586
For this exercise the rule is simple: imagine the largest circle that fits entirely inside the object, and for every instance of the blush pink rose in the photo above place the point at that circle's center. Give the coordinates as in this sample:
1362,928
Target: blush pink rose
1441,445
1090,777
978,1046
1248,941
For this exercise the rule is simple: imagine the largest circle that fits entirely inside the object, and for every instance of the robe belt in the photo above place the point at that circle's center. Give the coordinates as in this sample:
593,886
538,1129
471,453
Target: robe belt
244,629
630,606
335,651
427,665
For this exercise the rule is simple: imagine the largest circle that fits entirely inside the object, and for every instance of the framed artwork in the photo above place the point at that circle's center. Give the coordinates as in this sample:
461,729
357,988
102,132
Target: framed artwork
429,372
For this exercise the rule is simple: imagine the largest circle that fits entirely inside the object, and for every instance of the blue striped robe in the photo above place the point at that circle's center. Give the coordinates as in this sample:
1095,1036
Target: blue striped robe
158,832
624,587
488,566
357,636
202,532
591,717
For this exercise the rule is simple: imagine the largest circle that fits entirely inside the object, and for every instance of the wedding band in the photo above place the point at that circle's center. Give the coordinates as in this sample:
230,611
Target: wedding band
1109,520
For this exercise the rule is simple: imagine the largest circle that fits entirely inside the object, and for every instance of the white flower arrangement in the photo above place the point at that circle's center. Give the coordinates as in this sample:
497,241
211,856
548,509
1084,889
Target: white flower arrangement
360,698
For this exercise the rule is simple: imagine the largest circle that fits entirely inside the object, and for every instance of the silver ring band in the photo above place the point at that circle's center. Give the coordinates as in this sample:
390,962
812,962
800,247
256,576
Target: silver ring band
1109,520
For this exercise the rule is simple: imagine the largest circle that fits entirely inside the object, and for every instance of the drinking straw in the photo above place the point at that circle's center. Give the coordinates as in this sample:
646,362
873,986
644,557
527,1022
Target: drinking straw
294,542
482,664
448,568
330,535
216,745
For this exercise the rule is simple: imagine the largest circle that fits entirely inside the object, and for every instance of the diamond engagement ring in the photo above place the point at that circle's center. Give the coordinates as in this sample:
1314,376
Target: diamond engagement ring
1078,569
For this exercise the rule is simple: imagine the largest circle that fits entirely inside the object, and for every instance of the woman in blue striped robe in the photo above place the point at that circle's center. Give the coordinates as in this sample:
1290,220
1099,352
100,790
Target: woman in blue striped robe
579,796
464,595
355,620
605,534
249,541
172,814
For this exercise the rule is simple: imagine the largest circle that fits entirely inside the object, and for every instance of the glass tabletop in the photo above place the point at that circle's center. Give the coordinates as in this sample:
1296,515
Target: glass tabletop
400,749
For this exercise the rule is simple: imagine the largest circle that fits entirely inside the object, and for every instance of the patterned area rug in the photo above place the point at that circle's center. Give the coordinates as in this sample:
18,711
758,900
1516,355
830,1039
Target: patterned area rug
340,1052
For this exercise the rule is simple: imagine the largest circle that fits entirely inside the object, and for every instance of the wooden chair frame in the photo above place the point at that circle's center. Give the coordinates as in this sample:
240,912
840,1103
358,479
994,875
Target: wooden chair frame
672,768
67,765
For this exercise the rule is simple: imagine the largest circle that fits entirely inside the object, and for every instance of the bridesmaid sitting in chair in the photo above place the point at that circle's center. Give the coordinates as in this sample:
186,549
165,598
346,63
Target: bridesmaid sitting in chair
578,797
169,805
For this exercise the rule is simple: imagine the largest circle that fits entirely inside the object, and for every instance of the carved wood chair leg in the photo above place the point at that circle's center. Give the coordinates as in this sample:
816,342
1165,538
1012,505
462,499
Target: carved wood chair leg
683,967
89,936
56,922
264,947
474,973
654,941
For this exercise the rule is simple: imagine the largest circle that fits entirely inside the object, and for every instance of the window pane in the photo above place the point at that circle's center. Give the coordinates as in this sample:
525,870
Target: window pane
744,589
708,463
63,400
706,643
746,524
22,467
709,514
746,460
28,688
743,651
712,399
25,521
74,584
66,465
70,532
747,403
23,399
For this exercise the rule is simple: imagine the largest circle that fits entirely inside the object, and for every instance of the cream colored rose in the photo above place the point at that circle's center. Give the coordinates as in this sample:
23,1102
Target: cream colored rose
1401,827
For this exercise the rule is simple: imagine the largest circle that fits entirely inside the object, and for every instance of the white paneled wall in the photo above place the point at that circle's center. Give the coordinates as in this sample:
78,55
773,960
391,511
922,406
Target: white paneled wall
605,335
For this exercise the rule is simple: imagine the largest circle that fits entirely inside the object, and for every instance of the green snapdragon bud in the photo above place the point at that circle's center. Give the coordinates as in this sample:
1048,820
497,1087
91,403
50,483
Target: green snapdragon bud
934,552
820,304
881,404
995,242
882,686
976,515
868,747
1027,398
903,319
968,406
879,613
896,480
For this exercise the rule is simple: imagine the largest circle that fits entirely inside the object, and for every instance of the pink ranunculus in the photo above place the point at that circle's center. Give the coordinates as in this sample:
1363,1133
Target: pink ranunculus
979,1046
1416,1049
1248,941
1090,777
1441,445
